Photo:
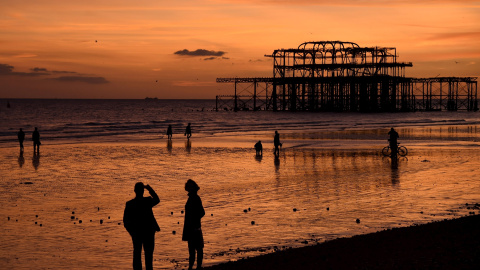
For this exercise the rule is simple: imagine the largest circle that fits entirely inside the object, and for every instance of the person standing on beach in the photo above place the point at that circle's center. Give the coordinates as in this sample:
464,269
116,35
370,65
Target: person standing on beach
259,148
21,138
192,227
188,131
36,140
393,141
169,132
276,143
140,223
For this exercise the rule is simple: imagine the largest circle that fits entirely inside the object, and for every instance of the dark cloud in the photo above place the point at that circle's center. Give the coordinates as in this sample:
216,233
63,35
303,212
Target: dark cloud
90,80
7,70
200,52
37,69
63,72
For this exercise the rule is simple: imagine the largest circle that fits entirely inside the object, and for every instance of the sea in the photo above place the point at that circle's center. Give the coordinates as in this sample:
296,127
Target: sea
63,206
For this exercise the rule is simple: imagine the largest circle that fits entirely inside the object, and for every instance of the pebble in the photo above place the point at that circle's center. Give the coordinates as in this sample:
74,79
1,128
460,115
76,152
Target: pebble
245,210
211,215
174,232
249,209
101,221
181,211
358,220
253,222
80,221
294,209
72,217
9,218
171,213
328,208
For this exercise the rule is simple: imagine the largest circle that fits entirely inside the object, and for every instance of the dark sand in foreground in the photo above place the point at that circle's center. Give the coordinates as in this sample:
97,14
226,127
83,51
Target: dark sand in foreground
450,244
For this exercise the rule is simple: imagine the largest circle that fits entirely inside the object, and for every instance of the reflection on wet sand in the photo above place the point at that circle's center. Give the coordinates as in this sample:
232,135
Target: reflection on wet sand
188,146
21,159
169,146
36,160
329,190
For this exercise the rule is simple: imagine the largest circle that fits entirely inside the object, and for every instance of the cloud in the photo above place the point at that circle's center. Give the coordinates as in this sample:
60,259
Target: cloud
90,80
199,52
210,58
37,69
7,70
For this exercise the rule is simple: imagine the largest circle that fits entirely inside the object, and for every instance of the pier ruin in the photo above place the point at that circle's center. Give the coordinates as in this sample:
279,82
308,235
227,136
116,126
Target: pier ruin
342,76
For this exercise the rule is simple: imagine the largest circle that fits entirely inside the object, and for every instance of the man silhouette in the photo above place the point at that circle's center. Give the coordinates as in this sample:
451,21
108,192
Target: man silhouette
169,132
393,140
259,148
36,140
21,138
277,143
140,223
188,131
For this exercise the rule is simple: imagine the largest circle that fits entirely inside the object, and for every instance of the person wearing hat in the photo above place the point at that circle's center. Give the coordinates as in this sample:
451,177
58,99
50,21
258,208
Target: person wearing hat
192,227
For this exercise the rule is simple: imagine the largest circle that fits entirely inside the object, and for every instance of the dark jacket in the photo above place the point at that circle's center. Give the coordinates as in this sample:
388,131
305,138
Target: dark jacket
138,216
193,216
36,136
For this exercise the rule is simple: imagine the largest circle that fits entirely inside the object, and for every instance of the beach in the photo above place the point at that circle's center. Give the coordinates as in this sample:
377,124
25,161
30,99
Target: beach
64,206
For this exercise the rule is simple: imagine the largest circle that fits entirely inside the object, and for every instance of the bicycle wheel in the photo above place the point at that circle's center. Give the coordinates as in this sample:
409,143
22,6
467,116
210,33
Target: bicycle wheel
386,151
402,151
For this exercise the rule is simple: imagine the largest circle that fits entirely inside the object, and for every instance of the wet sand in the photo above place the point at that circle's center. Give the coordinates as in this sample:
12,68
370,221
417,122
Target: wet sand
449,244
65,206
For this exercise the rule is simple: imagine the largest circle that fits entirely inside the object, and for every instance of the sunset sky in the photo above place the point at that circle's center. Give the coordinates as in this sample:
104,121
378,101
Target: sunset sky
176,49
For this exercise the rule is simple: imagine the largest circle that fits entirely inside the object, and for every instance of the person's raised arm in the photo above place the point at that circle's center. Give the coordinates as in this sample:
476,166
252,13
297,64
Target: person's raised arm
156,199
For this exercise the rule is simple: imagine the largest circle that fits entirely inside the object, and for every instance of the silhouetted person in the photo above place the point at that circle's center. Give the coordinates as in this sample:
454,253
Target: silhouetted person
259,148
169,132
192,227
276,143
21,138
393,140
140,223
36,140
188,131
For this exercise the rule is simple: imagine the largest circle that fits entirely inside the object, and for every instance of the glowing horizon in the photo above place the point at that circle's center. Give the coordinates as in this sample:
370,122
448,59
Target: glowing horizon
120,49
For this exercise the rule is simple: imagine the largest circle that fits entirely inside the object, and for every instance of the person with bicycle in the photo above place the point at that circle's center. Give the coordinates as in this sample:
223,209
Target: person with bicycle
393,140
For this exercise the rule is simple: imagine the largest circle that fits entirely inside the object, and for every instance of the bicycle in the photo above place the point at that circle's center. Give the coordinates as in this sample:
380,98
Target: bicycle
401,150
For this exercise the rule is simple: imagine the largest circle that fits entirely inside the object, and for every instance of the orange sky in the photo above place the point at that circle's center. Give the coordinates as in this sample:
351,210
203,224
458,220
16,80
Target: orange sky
127,49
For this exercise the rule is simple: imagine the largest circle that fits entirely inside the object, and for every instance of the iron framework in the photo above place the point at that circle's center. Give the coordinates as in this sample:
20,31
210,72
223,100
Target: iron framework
342,76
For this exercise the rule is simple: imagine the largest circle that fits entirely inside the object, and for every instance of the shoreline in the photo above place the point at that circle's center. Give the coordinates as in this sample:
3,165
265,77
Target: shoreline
447,244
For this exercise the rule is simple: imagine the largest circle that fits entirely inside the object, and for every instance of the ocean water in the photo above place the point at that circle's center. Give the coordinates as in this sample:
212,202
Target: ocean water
63,208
